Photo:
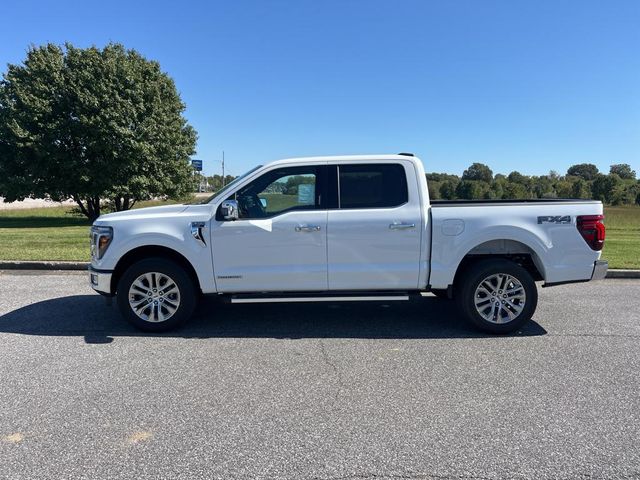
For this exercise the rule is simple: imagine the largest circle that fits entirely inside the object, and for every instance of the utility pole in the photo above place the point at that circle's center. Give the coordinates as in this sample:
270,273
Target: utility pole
223,168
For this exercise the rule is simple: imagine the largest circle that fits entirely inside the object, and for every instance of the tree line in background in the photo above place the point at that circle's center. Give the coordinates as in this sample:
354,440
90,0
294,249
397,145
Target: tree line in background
618,187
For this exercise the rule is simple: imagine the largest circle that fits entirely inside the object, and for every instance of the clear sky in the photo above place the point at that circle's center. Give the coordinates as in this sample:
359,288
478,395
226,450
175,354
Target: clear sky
518,85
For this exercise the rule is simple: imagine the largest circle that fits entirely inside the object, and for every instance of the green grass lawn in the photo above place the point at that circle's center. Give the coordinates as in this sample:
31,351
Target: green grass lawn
43,234
53,233
622,245
58,234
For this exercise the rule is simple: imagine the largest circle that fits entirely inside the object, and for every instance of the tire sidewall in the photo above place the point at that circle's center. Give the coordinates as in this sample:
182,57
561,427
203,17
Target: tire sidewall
177,274
483,269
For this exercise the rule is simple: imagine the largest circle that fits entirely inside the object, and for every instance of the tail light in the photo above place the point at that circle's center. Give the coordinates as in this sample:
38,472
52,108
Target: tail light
592,230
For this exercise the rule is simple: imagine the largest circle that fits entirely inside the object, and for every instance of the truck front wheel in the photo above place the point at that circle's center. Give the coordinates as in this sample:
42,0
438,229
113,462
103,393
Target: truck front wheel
496,295
156,295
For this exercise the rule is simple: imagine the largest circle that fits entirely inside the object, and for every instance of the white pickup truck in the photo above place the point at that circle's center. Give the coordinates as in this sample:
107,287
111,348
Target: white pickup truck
350,228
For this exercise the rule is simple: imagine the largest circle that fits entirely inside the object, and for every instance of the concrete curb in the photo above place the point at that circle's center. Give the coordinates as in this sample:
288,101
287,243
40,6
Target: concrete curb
48,265
54,265
623,273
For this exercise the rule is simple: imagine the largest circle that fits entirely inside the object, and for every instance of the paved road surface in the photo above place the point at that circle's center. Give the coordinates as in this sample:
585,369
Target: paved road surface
350,391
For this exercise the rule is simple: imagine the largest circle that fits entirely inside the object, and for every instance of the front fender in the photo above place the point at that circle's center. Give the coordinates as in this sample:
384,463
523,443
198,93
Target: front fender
175,235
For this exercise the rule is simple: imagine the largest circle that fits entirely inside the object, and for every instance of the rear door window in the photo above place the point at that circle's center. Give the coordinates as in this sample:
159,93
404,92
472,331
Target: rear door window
372,185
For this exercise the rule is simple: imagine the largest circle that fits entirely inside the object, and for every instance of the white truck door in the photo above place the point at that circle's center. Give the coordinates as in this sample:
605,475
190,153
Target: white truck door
279,242
374,236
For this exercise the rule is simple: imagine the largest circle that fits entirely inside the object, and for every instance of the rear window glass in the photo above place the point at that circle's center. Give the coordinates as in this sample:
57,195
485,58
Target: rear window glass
372,186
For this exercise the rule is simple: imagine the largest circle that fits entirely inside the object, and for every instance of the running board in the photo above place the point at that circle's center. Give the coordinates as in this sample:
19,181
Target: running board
319,298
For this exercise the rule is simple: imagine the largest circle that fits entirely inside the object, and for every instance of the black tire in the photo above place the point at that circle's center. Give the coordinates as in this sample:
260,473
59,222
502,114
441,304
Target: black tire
187,292
441,294
469,281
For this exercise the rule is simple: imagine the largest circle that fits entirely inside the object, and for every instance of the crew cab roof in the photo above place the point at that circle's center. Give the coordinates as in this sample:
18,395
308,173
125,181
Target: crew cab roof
345,159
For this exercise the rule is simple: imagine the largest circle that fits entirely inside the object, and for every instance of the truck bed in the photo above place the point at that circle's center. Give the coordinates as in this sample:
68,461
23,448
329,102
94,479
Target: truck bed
483,202
545,229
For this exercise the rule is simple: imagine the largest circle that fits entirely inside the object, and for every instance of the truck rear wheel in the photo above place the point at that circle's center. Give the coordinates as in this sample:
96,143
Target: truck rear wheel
156,295
496,295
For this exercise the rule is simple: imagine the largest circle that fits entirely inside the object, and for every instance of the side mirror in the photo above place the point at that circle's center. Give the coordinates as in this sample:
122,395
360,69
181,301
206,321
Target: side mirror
263,202
229,209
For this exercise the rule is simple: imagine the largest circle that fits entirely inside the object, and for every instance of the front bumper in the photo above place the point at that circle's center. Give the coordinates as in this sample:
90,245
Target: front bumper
100,280
600,270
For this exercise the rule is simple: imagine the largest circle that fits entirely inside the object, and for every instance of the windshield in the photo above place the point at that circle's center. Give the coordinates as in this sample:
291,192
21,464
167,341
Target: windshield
228,186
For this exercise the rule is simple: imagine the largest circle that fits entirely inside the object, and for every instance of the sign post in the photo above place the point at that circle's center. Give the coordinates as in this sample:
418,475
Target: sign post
223,168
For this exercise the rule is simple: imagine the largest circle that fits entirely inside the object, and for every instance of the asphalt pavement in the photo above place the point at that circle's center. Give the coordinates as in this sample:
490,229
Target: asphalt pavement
346,391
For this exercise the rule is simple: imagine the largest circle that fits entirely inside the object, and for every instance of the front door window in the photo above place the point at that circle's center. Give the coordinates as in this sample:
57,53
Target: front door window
279,191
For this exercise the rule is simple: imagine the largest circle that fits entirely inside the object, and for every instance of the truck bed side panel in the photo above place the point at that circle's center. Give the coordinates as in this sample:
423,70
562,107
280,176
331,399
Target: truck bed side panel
559,250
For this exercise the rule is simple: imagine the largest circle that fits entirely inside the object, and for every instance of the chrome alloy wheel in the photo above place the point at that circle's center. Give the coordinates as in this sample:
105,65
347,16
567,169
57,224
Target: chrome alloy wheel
500,298
154,297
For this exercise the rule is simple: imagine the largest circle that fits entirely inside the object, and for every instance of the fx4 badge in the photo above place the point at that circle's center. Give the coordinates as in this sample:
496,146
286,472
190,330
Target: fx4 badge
555,219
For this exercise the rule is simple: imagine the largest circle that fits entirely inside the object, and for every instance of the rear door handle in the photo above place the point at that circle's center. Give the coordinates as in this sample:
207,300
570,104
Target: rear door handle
308,228
401,226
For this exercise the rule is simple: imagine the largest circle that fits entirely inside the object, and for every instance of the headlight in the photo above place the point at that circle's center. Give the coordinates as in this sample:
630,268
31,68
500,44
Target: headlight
100,240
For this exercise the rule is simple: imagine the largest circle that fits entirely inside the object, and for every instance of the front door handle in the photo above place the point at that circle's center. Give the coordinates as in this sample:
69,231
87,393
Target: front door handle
308,228
401,226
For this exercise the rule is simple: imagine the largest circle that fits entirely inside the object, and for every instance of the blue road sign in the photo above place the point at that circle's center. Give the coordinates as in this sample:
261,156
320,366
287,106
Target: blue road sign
197,165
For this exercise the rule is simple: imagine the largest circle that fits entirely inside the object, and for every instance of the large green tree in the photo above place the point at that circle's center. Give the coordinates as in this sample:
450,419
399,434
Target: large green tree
586,171
95,125
607,188
478,171
623,170
448,189
472,189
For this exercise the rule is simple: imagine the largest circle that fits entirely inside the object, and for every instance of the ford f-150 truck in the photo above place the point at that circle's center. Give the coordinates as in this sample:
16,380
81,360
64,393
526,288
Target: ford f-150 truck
349,228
